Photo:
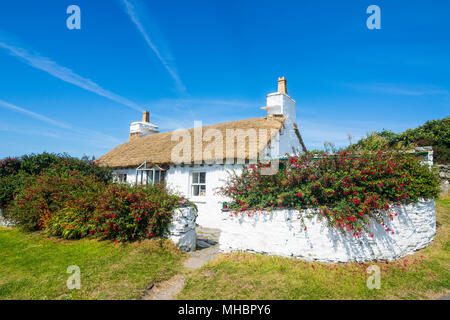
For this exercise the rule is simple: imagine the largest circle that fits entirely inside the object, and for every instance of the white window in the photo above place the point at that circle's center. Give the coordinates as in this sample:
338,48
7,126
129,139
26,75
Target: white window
120,178
198,184
149,175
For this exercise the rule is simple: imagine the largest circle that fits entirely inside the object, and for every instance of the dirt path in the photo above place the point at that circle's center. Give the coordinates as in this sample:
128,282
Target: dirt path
207,249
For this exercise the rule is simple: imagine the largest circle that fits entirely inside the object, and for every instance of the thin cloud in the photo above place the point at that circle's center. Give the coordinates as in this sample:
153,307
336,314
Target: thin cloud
51,67
33,114
78,133
130,7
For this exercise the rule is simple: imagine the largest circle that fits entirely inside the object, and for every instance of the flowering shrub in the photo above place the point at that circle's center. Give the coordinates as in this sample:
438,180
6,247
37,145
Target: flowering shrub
73,205
129,213
36,205
66,164
10,185
9,166
348,190
69,222
15,172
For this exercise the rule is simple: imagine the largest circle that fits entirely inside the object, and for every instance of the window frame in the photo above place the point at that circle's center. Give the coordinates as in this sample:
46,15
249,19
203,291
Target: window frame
148,178
192,184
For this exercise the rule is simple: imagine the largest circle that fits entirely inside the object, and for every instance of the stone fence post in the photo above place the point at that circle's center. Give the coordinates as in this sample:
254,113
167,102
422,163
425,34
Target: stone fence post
182,229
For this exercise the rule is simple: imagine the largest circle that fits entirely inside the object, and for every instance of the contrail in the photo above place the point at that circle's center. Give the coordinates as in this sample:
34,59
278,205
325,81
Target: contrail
33,114
130,8
87,133
51,67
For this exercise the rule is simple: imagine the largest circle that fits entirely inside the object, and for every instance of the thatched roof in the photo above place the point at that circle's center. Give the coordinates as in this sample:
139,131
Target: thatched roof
156,149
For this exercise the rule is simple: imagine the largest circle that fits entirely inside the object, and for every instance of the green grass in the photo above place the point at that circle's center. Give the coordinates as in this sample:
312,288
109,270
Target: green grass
423,275
34,267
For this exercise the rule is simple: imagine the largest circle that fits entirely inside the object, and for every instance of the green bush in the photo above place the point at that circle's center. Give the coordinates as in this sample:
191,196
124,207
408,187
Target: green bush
15,172
69,164
11,185
435,133
35,163
9,166
349,190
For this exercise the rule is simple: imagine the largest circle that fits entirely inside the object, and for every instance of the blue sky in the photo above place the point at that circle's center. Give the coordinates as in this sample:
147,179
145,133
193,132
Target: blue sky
77,91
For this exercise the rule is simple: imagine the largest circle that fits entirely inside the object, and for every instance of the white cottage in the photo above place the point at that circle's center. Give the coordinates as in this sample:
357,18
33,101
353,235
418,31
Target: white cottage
196,161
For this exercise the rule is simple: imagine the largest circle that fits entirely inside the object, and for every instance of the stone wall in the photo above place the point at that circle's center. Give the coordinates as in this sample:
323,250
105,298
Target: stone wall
182,229
280,232
444,174
3,221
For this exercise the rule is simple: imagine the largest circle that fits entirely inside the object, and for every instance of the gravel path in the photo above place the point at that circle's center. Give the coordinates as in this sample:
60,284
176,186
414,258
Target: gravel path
207,249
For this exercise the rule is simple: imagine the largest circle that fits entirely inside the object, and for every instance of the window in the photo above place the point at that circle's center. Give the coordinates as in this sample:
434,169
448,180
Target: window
120,178
149,176
198,185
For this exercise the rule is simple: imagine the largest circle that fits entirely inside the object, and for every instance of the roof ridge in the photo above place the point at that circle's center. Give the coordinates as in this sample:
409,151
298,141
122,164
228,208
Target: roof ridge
156,148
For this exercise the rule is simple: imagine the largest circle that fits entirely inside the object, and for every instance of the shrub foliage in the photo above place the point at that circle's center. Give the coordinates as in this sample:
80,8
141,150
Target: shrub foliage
130,213
73,198
15,172
435,133
349,191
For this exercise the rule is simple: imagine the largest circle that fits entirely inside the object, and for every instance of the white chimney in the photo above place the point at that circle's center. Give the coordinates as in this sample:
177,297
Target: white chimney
142,128
280,103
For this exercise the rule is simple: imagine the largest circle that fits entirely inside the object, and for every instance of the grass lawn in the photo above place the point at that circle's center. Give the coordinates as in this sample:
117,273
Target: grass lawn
33,266
422,275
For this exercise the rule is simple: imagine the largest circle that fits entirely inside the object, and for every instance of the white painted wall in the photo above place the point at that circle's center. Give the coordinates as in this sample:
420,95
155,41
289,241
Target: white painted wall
131,174
280,232
143,128
179,179
280,103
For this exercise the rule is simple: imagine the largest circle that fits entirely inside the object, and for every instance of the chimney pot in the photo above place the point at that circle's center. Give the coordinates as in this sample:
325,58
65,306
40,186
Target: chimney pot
282,86
146,116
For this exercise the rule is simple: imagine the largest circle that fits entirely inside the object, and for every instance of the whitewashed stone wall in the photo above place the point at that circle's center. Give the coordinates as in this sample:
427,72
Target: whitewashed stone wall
182,229
4,222
280,232
444,175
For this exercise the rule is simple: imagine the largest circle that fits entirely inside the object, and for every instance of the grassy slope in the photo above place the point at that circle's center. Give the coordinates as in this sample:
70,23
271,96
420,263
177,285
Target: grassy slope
425,274
34,267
